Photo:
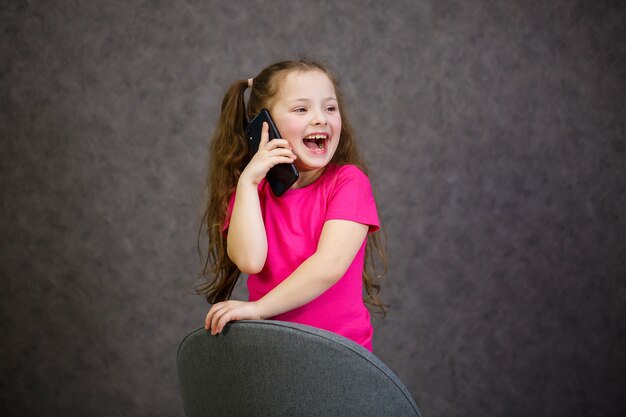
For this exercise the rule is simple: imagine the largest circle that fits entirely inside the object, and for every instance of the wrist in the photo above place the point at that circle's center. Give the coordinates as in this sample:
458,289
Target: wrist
245,184
260,310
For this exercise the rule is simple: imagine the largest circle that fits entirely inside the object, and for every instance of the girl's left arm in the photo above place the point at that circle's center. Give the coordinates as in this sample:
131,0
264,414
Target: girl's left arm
338,245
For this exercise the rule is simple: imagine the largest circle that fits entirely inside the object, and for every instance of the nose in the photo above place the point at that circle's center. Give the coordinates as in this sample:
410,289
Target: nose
319,119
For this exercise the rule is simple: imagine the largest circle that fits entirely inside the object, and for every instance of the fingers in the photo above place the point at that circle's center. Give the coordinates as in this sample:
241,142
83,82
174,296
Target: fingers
269,154
274,147
222,313
219,315
219,321
209,317
277,151
276,144
268,144
213,317
265,135
281,156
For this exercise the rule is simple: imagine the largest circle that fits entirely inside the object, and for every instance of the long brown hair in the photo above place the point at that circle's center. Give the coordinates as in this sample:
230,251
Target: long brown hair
228,156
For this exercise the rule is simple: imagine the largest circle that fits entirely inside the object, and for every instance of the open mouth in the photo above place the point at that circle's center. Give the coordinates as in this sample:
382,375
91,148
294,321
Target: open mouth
316,141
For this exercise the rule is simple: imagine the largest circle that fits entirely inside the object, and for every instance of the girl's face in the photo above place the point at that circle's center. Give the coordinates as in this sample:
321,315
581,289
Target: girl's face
307,116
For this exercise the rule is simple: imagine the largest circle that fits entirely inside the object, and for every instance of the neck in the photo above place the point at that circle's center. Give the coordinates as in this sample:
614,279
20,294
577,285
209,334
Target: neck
308,177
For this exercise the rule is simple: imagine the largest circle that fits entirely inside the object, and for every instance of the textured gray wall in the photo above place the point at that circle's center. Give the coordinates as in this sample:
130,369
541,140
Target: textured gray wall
496,137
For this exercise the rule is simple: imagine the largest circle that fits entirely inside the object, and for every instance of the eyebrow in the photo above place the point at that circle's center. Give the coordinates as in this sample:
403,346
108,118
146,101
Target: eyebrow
308,100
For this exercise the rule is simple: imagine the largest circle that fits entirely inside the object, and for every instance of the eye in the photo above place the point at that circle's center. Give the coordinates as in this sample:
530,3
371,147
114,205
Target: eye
331,108
300,110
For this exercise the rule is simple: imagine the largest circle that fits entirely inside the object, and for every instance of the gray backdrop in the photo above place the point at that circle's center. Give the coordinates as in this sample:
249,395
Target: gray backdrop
495,133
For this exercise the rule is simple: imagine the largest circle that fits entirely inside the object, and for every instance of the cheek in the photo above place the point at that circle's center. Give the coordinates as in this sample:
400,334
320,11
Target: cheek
289,130
337,124
289,133
293,142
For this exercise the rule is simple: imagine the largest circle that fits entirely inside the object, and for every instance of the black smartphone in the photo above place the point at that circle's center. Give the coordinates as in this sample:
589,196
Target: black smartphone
281,176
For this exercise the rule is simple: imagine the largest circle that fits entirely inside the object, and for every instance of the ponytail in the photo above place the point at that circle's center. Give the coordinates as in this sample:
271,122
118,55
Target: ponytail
233,114
228,156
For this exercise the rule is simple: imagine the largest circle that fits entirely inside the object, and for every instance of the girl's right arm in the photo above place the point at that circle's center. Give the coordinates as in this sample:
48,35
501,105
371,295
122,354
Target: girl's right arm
246,239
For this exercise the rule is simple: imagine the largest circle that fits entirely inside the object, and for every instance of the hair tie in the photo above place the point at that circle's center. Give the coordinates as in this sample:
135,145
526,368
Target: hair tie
250,82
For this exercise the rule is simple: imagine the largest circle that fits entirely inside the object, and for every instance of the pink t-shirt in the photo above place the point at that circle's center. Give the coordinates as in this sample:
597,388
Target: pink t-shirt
293,225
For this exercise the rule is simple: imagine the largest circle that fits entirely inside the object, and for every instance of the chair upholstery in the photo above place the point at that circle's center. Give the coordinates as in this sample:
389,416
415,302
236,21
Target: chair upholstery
273,368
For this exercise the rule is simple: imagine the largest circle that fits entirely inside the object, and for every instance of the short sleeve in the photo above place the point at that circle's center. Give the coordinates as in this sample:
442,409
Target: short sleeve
352,198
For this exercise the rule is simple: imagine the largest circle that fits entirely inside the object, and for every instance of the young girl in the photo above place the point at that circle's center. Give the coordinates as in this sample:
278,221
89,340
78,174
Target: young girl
305,251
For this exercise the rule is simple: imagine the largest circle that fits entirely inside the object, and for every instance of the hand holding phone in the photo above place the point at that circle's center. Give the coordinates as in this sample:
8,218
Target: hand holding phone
281,176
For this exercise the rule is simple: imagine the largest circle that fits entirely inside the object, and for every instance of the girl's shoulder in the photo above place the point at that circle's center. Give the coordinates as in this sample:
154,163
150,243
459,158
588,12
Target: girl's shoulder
347,172
346,180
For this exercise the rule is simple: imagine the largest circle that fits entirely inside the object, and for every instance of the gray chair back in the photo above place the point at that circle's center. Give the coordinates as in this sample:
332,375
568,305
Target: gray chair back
273,368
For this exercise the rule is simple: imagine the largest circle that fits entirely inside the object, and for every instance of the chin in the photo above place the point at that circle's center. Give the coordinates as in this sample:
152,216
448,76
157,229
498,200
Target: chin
308,165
